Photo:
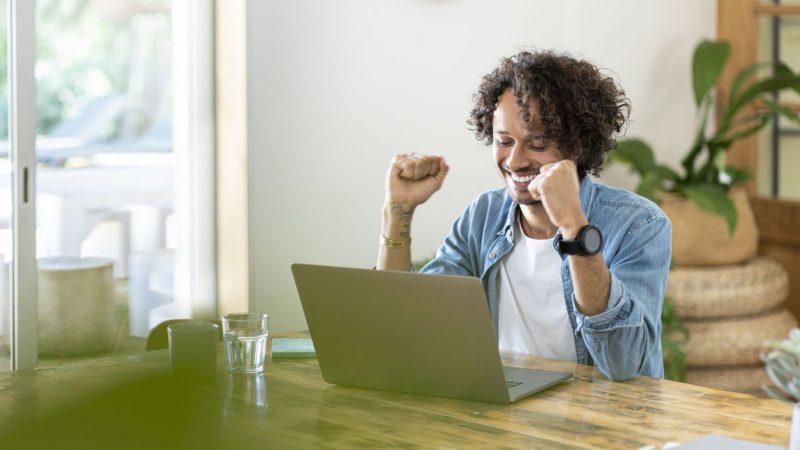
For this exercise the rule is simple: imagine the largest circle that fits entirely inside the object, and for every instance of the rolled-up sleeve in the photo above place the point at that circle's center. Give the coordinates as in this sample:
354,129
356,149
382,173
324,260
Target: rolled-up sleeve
625,340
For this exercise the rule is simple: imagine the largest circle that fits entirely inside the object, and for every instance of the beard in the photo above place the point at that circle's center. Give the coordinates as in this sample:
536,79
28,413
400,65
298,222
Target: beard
522,197
529,202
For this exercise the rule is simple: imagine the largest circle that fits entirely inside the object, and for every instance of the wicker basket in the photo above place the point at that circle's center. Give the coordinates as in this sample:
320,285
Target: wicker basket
727,291
700,238
735,341
744,379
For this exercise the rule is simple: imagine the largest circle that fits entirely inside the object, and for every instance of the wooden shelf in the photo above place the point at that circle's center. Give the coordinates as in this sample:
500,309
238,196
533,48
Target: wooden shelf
777,10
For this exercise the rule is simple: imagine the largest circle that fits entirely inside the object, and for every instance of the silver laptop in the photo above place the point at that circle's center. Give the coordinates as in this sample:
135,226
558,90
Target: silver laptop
409,332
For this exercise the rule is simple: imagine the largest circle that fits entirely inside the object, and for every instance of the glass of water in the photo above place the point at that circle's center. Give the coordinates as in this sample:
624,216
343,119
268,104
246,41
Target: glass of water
245,341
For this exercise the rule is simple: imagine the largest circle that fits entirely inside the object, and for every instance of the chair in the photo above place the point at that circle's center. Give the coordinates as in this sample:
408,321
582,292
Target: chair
157,337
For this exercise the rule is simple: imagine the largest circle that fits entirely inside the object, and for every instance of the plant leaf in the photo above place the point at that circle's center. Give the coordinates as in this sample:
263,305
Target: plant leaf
784,70
713,198
742,76
720,158
709,60
781,110
667,173
635,153
737,175
649,185
761,121
674,336
699,142
709,173
774,84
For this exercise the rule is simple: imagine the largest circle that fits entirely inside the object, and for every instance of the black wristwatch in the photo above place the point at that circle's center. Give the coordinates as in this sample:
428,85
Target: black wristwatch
589,241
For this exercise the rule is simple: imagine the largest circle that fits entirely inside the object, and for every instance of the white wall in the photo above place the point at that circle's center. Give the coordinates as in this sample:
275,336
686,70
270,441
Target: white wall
336,87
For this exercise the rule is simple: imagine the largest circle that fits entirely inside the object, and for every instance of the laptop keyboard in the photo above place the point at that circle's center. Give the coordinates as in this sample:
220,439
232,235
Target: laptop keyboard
511,383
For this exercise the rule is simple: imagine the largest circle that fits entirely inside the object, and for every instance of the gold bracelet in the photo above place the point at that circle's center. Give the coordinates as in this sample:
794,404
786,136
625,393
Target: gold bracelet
391,243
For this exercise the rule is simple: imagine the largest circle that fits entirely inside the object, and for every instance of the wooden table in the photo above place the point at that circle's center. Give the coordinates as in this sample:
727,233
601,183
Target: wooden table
133,402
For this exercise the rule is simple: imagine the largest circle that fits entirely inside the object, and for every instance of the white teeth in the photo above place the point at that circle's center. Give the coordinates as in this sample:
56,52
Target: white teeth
526,179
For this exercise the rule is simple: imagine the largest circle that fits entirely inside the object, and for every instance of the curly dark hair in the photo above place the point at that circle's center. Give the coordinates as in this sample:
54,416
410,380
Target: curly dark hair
580,108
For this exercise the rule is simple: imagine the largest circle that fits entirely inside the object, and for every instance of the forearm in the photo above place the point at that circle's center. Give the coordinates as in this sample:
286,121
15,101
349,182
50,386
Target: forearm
624,339
591,280
395,226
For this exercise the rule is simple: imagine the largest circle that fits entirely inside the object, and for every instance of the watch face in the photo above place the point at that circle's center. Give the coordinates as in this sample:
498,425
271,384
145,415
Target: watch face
592,239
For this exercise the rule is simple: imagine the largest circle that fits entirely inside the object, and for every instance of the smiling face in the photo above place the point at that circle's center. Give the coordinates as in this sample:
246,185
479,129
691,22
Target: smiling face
519,150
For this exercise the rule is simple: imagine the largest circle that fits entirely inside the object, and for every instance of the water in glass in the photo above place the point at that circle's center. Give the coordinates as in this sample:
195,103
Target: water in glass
245,352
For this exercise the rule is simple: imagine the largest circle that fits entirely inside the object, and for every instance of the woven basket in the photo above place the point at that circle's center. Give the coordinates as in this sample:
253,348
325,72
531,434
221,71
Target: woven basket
737,341
727,291
744,379
700,238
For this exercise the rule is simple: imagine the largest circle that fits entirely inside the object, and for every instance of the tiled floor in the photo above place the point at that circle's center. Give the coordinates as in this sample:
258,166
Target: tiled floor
123,343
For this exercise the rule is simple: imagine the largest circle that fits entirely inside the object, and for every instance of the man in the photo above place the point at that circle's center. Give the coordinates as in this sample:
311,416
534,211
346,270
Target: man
573,269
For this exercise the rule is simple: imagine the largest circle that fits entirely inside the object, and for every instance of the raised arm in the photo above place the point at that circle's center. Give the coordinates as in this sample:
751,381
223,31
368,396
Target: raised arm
410,182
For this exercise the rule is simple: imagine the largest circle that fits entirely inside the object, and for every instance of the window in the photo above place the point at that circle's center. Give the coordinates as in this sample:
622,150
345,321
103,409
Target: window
116,173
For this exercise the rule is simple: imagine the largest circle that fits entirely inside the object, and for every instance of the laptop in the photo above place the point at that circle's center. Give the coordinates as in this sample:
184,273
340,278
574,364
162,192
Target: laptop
409,332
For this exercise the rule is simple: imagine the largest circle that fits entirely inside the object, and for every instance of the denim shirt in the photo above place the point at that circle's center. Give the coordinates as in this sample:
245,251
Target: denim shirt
625,339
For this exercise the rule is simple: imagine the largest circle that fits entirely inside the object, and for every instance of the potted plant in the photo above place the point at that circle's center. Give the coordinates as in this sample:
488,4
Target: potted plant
782,362
712,220
674,336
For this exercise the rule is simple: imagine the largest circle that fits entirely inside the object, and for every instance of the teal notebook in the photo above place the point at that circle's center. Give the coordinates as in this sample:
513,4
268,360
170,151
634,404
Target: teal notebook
292,348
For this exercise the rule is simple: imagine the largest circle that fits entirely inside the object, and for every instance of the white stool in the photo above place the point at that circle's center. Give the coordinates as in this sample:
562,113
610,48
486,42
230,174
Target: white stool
76,305
109,237
149,271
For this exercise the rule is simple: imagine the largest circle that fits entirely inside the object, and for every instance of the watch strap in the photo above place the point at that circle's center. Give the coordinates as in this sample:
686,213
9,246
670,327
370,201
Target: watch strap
575,246
567,247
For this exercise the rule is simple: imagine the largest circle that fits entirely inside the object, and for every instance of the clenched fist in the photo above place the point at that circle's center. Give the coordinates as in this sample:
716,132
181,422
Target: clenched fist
412,179
558,188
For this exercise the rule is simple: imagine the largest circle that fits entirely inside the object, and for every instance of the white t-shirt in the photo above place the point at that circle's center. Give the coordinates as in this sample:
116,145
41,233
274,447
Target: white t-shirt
532,311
